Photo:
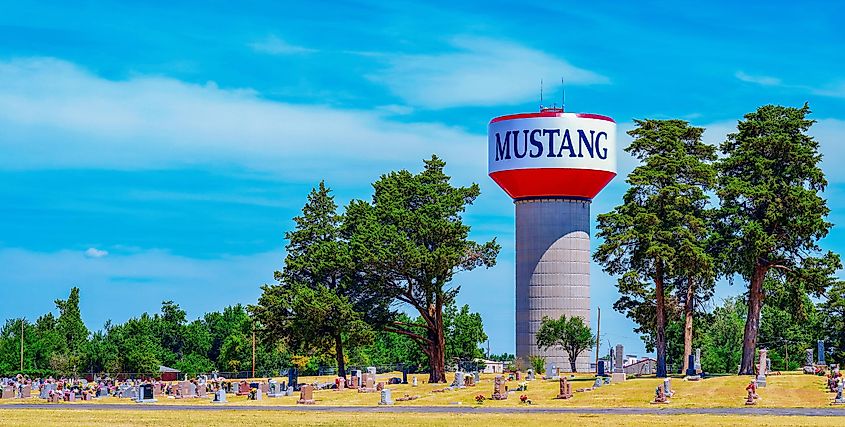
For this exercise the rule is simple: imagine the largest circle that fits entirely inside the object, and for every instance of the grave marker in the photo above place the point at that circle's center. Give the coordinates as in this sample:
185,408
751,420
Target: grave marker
761,368
386,398
499,391
306,395
565,389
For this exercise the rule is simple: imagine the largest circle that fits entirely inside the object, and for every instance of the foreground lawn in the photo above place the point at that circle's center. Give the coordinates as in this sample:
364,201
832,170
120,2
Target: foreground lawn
783,391
57,417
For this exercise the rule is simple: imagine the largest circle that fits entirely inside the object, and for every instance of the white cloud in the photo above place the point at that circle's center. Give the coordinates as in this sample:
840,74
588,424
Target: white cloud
95,253
275,46
55,114
760,80
479,72
833,90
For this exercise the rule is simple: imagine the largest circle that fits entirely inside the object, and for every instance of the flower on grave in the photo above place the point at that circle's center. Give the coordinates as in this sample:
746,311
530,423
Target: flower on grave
480,398
523,398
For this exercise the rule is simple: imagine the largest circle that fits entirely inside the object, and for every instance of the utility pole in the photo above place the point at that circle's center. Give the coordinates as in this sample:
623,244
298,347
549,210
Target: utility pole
598,339
253,349
22,320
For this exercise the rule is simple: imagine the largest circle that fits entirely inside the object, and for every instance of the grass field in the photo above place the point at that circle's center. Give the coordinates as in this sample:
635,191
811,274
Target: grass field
57,417
783,391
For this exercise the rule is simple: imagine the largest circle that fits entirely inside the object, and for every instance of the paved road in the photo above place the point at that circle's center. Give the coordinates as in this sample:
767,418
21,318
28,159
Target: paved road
448,409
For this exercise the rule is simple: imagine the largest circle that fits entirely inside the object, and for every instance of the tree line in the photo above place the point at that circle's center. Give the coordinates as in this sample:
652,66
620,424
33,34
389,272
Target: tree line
342,296
748,211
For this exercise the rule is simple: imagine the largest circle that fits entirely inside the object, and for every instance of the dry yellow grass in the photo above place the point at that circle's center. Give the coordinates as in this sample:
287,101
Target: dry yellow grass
58,417
783,391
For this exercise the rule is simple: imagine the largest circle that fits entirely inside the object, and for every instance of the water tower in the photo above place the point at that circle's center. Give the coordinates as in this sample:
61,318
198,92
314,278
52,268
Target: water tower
552,163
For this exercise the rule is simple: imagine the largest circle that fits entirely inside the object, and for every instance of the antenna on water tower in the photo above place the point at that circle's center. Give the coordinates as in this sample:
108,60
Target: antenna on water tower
562,95
541,94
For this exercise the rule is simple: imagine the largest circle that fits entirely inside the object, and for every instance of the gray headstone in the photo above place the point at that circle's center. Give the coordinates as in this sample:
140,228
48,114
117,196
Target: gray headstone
619,367
459,379
386,398
809,359
761,368
698,360
821,352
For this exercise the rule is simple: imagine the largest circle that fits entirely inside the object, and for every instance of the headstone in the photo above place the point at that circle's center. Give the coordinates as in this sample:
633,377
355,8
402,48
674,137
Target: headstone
529,375
597,383
259,395
353,382
340,382
619,366
667,387
768,366
551,370
459,380
219,396
359,378
386,398
477,376
293,378
404,374
690,366
821,361
275,389
414,383
659,396
145,394
600,368
46,388
372,371
697,361
499,391
26,391
8,392
306,395
839,400
808,362
192,389
761,368
565,389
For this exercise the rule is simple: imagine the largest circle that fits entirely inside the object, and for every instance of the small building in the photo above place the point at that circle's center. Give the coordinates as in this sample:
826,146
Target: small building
644,366
168,374
493,367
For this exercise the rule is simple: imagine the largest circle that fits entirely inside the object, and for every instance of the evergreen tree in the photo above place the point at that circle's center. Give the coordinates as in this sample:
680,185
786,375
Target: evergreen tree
413,238
772,215
658,236
319,305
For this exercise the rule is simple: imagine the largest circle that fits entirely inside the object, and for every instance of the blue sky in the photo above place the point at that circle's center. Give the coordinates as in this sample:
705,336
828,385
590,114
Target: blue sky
158,151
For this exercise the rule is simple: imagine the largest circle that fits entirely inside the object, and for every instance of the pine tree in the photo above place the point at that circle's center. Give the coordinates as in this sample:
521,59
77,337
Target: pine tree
659,234
772,215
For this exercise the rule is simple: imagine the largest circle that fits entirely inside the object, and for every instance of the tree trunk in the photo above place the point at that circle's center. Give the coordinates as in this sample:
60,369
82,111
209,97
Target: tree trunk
437,353
752,322
341,366
661,322
572,362
688,306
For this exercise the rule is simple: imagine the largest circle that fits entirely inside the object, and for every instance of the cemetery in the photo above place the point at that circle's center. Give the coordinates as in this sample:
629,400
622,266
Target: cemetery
285,213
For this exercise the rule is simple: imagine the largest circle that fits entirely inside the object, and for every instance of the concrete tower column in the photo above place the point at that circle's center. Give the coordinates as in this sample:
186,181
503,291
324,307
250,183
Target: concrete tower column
552,271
